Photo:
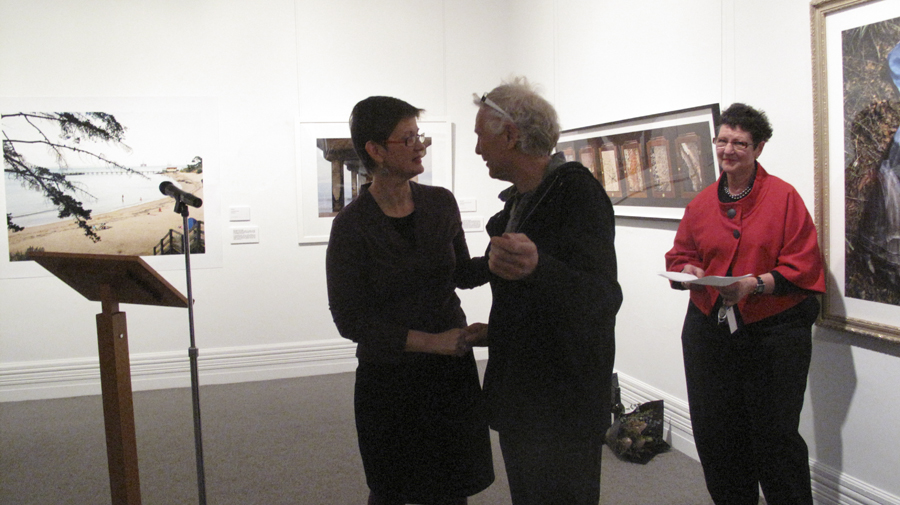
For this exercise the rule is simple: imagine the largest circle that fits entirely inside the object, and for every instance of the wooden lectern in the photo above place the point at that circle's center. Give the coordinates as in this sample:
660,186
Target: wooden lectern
111,280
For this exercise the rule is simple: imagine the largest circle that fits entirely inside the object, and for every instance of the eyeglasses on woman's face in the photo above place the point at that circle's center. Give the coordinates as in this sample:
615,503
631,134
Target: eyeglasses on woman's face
409,141
737,145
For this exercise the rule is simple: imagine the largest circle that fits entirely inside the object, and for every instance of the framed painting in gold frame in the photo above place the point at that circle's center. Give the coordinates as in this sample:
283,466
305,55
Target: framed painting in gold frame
855,44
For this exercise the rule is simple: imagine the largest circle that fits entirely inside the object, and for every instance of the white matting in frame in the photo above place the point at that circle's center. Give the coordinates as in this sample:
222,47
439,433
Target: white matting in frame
705,115
830,20
160,131
314,182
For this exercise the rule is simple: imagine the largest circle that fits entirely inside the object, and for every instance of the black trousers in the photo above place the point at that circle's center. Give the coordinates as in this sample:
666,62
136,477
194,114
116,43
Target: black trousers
746,392
563,469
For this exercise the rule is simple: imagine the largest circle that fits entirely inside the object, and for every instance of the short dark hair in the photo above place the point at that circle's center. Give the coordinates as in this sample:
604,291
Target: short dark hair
374,119
753,121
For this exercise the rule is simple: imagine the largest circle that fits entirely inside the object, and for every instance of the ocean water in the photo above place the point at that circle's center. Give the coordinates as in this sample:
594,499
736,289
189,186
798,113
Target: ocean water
101,190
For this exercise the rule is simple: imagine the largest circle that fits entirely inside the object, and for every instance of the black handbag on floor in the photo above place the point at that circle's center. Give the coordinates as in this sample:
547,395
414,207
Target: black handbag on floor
638,435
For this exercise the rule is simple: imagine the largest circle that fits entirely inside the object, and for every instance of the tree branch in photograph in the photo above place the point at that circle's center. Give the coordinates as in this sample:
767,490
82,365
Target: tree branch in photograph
74,129
12,226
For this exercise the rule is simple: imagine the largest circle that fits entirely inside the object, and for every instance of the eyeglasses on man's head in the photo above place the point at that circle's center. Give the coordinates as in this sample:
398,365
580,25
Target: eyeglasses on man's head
484,100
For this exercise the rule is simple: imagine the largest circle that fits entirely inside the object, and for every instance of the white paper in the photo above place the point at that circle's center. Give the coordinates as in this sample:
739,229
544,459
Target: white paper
709,280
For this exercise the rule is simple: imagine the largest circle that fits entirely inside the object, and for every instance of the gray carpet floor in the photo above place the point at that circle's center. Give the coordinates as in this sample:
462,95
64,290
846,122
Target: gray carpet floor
276,442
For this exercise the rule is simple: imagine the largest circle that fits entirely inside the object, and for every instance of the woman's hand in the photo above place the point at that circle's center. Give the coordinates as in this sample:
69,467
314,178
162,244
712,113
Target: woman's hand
735,292
696,272
453,342
448,343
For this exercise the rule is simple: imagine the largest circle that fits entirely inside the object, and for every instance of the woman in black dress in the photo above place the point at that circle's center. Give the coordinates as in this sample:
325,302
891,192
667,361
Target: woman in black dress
395,258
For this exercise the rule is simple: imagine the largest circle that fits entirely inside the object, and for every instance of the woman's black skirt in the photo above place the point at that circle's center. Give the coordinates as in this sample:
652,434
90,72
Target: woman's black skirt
422,428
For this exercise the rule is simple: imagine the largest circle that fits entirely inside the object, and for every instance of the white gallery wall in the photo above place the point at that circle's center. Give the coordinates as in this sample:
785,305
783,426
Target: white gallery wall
261,309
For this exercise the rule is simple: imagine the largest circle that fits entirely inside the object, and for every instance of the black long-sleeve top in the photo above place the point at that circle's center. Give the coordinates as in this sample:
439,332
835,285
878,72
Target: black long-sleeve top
552,334
381,285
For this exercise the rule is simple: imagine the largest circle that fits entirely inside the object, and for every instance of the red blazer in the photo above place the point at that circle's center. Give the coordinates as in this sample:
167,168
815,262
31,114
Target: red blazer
769,229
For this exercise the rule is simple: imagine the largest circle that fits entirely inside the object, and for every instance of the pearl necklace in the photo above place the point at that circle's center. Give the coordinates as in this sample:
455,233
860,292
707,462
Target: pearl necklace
740,195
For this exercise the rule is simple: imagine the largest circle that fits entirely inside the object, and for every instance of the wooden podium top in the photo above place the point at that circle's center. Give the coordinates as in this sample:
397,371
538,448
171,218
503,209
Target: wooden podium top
130,278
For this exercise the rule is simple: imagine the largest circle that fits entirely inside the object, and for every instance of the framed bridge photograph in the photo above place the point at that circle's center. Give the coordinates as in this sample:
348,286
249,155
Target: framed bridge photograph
328,176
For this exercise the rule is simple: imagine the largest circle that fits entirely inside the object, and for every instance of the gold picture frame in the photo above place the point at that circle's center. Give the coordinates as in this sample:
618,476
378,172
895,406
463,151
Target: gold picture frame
856,116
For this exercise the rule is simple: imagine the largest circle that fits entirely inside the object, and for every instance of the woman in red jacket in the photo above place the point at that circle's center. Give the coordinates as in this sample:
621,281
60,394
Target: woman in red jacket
747,346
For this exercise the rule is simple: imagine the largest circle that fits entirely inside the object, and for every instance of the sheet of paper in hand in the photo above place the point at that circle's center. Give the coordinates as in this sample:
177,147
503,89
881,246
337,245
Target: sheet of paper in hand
709,280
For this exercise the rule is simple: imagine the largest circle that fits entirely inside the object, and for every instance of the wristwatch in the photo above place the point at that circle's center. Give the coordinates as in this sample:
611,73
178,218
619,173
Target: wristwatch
760,286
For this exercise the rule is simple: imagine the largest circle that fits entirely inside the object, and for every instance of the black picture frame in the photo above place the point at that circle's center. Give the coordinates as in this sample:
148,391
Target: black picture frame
651,166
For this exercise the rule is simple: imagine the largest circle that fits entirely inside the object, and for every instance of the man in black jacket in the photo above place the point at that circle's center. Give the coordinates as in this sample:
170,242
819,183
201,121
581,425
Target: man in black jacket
551,333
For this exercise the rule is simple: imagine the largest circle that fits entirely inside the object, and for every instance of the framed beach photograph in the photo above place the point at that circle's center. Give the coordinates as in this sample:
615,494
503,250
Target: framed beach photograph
87,180
328,175
650,166
856,86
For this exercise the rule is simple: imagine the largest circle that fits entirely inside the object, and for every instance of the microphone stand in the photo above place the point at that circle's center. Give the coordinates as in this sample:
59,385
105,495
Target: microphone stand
182,208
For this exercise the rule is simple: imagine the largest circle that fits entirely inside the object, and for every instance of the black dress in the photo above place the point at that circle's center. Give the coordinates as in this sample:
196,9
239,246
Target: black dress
420,419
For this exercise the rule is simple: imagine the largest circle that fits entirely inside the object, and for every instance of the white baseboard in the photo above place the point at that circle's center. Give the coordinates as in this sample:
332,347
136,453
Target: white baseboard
43,380
78,377
832,487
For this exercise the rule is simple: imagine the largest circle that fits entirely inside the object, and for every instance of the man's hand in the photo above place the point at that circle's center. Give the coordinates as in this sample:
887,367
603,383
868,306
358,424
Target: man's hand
477,334
513,256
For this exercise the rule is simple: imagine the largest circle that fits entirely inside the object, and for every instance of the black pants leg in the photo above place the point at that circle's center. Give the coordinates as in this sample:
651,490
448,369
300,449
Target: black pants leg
559,470
746,393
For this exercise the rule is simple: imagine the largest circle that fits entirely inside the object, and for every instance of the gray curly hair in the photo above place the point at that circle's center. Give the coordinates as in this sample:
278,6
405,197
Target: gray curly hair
520,104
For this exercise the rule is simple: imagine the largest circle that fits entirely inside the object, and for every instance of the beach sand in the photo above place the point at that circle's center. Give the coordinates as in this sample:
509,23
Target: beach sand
132,231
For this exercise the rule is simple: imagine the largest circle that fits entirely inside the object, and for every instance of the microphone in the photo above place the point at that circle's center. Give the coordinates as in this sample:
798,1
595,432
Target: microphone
169,189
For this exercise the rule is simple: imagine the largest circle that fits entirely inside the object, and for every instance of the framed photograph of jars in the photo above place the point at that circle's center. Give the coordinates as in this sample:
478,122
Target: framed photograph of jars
650,166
